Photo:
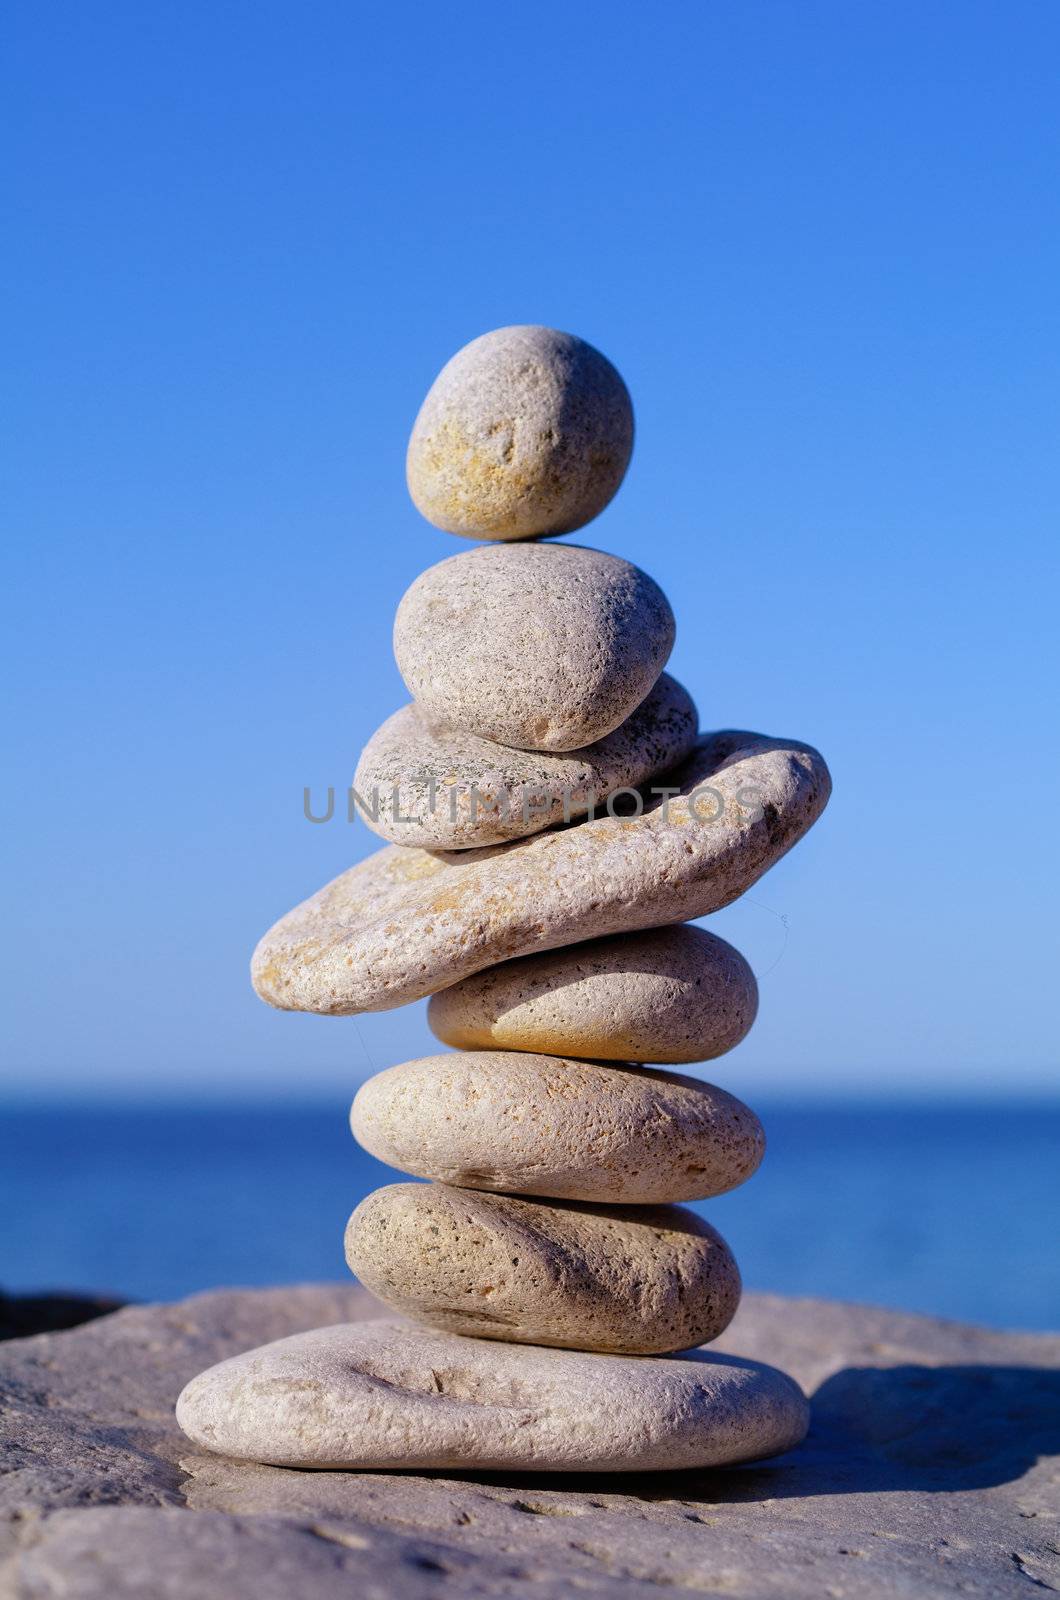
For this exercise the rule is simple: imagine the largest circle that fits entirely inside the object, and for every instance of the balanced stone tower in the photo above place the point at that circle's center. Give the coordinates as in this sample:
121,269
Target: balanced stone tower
554,820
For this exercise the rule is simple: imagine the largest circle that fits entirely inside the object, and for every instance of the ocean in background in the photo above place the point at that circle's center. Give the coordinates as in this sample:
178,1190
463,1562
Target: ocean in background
951,1210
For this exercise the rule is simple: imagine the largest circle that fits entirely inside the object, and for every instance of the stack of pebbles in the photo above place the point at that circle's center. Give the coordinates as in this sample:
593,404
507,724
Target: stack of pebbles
553,819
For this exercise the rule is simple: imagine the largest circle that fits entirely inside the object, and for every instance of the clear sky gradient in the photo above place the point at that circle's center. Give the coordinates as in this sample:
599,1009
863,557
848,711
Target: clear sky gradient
822,243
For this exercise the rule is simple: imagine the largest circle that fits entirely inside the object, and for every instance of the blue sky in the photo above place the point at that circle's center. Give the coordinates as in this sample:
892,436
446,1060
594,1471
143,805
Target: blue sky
821,241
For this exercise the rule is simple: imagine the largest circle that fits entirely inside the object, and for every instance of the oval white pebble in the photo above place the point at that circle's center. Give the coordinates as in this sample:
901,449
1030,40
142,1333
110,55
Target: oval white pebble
633,1280
542,647
520,1123
672,994
526,431
422,784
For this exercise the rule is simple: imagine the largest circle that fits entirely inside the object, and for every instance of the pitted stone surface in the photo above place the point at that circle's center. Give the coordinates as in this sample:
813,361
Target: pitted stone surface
673,994
446,790
573,1130
631,1280
541,647
932,1468
526,431
377,1394
406,922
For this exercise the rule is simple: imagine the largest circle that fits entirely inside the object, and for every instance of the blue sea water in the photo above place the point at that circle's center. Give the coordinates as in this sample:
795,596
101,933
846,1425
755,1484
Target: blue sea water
953,1211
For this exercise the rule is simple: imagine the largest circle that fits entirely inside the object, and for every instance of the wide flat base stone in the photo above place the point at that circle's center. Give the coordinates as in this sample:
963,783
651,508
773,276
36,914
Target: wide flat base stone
391,1395
930,1470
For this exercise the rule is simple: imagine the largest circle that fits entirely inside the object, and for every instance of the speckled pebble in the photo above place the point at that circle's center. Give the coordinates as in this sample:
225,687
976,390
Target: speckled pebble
541,647
526,431
385,1395
634,1280
418,784
541,1125
672,994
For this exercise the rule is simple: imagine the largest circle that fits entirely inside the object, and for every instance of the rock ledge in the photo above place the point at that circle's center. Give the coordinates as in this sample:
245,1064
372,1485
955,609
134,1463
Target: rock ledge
930,1470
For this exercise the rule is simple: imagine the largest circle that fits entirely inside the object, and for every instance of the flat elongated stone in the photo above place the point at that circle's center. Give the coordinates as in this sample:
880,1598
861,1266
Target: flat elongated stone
378,1395
442,789
541,647
668,994
407,922
540,1125
526,431
633,1280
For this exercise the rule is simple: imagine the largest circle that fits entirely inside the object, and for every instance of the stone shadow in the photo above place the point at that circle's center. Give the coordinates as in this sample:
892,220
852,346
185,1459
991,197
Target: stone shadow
920,1428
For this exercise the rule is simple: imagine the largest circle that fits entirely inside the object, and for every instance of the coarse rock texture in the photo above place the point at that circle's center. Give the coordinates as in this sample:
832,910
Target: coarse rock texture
526,431
418,784
931,1470
631,1280
378,1394
674,994
572,1130
542,647
406,922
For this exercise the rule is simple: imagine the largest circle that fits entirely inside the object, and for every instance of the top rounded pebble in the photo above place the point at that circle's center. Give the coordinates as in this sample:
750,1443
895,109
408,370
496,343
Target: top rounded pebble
525,433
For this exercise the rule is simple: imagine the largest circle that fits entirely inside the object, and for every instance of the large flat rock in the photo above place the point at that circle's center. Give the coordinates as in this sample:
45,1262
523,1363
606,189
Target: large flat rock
930,1470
